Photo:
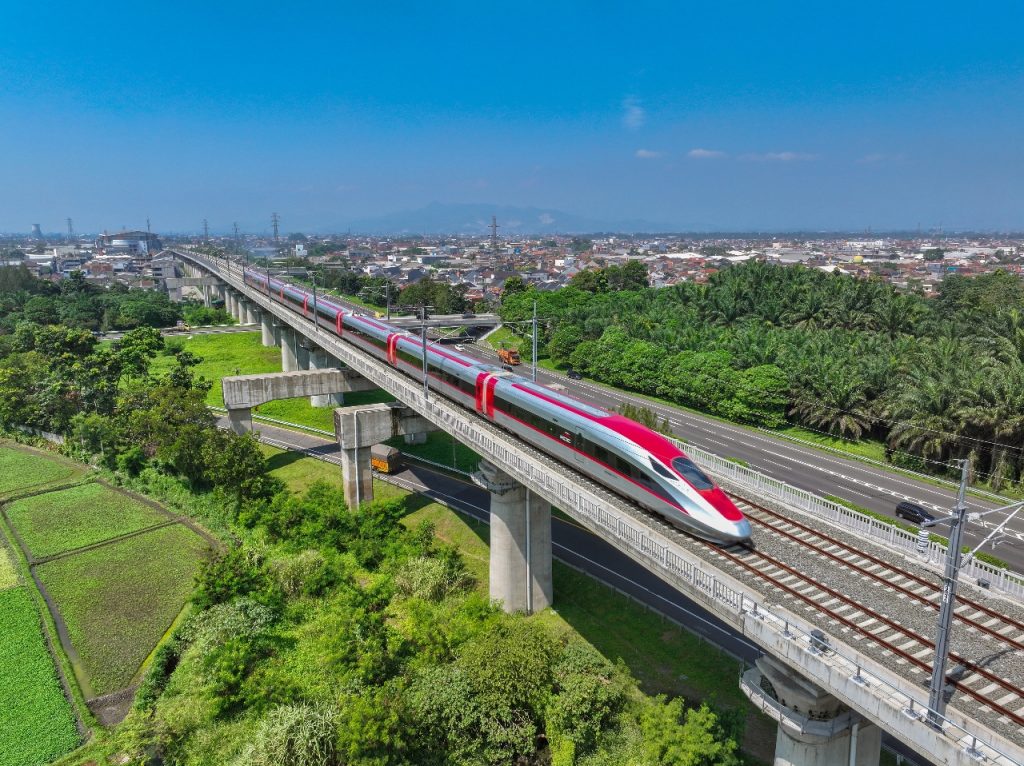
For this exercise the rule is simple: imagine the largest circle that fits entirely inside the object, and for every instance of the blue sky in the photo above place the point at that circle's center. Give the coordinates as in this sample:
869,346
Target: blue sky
731,115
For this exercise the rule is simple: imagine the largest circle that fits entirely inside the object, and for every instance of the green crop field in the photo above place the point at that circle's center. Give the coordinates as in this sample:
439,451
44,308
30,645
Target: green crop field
119,599
23,470
55,522
36,723
8,574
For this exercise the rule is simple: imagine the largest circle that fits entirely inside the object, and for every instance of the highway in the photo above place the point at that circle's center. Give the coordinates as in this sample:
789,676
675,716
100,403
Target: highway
809,468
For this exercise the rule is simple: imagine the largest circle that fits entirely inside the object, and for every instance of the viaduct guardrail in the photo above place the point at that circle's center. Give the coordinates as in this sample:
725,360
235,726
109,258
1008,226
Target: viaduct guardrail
879,694
1006,581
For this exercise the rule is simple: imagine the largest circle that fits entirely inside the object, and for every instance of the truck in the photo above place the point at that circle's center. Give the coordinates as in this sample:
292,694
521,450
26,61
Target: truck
385,459
509,356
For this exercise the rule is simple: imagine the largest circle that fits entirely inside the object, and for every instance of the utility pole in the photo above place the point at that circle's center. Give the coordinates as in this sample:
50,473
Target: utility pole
275,221
316,317
494,235
535,341
387,297
423,338
937,690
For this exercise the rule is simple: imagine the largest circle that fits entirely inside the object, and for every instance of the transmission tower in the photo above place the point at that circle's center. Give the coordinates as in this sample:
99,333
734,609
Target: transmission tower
148,230
494,234
275,220
206,231
71,230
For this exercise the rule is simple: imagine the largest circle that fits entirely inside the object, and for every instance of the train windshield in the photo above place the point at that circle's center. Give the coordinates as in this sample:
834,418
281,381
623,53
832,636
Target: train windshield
689,471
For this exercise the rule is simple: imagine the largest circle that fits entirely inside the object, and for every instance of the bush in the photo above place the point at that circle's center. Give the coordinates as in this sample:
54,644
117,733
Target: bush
294,735
301,573
589,693
131,461
432,578
228,576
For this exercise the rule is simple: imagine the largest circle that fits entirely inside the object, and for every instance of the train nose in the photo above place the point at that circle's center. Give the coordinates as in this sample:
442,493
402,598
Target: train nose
737,532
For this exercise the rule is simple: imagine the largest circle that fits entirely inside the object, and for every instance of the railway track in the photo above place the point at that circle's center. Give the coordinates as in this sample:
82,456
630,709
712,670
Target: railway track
906,644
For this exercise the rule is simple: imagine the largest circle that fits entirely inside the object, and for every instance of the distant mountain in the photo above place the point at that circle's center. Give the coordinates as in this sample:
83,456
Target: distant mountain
438,218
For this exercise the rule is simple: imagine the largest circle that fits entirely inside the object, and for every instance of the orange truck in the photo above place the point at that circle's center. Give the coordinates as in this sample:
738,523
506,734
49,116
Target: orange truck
509,356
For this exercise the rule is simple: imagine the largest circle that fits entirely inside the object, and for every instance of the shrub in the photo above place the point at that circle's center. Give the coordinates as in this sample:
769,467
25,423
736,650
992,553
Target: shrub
432,578
301,573
294,735
243,618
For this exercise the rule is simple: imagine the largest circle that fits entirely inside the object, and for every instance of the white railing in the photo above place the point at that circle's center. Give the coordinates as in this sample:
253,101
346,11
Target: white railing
633,534
1007,582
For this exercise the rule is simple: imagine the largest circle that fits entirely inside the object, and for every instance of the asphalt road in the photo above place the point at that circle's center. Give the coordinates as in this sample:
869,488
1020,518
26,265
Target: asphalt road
808,468
572,544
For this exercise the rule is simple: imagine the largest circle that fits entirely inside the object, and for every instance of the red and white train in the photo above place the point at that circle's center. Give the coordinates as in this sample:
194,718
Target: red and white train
617,452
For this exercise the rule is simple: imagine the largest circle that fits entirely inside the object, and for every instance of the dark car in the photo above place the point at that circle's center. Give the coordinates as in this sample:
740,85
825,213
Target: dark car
508,368
913,512
573,375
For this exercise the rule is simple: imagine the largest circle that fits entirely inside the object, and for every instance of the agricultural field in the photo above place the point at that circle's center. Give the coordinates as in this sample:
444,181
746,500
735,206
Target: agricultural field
36,722
8,573
23,470
60,521
118,600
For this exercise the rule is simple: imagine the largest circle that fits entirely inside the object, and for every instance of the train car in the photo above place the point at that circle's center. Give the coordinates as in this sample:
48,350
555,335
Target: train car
621,454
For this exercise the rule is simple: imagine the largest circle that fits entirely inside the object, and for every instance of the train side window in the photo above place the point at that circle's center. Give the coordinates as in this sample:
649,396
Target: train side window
600,453
660,469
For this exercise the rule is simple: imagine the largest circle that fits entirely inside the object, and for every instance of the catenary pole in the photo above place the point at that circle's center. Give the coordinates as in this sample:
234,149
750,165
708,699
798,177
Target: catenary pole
937,690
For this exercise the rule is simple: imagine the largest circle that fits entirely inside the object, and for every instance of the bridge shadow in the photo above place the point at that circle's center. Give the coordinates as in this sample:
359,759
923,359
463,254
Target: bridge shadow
282,459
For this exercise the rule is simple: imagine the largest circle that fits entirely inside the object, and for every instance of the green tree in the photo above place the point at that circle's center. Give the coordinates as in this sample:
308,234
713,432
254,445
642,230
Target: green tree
693,738
236,465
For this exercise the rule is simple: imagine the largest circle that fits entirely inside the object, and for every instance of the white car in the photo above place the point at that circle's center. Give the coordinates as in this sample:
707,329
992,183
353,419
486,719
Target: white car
459,347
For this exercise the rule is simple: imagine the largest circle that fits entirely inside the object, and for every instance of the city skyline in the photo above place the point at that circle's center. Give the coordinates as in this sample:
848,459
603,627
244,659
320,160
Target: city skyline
849,118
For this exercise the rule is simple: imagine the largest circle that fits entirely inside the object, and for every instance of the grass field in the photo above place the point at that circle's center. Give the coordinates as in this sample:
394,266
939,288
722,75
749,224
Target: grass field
243,353
223,355
36,723
56,522
438,448
119,599
24,470
506,336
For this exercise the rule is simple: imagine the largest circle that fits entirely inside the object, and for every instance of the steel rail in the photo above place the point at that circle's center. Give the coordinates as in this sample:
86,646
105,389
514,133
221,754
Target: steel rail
878,617
1007,621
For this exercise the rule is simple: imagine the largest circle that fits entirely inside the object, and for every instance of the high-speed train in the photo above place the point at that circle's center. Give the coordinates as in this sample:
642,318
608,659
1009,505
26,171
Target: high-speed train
617,452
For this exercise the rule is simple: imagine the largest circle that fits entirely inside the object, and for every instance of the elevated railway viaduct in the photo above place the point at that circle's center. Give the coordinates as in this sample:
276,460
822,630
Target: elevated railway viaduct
845,628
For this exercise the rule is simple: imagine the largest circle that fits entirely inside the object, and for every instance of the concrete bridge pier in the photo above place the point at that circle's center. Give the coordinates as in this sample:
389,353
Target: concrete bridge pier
268,329
321,360
252,312
815,729
304,352
358,429
207,295
231,303
289,349
520,567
